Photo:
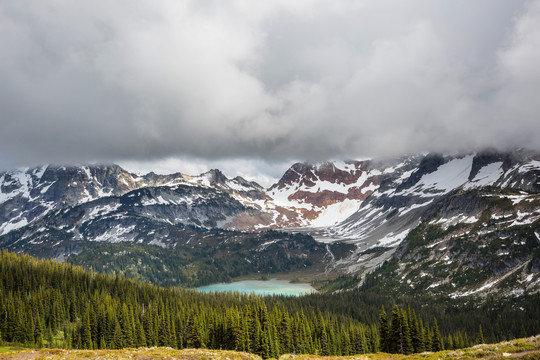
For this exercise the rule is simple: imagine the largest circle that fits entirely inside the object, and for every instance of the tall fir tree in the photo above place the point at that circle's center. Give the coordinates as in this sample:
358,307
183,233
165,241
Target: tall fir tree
117,338
408,347
86,331
420,340
397,340
384,333
437,341
480,336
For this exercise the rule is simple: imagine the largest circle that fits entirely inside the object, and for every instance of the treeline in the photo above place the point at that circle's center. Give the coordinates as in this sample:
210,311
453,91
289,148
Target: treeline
459,320
209,256
404,333
49,303
46,303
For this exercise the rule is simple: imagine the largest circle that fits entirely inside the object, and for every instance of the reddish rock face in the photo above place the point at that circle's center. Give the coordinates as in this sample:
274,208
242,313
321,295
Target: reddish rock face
310,189
325,198
310,180
304,174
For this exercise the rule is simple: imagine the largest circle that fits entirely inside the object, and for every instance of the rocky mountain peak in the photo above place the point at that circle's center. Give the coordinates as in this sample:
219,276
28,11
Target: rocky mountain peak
216,177
247,184
293,175
306,174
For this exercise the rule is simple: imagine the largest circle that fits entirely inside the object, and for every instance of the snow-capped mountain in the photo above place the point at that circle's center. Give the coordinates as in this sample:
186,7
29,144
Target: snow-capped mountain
367,202
326,193
476,241
404,197
463,225
158,228
377,206
29,195
310,195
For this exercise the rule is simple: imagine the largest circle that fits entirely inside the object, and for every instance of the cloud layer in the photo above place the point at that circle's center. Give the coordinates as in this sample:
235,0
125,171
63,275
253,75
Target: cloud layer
270,80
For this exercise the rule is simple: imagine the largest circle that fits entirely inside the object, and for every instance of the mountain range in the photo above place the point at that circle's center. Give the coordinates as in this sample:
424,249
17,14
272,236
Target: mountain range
460,224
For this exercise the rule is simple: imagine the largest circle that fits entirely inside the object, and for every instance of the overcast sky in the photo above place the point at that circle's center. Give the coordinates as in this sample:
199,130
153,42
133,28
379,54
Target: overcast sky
253,85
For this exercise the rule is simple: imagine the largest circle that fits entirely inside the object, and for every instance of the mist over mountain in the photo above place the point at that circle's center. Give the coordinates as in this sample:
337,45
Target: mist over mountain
266,82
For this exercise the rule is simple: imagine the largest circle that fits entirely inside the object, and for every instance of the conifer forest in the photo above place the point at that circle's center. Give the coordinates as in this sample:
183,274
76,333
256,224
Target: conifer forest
47,303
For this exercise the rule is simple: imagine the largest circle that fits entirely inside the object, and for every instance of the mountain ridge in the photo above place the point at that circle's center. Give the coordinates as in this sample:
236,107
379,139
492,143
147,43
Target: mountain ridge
373,206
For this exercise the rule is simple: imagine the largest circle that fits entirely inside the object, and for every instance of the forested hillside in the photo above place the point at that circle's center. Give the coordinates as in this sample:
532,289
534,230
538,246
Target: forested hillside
44,302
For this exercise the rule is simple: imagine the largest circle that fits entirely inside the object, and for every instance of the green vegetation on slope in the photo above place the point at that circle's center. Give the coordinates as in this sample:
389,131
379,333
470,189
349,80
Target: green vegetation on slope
46,303
190,256
49,303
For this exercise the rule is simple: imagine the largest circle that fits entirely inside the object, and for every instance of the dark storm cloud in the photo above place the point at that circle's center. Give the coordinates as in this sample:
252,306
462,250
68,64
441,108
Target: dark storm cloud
272,80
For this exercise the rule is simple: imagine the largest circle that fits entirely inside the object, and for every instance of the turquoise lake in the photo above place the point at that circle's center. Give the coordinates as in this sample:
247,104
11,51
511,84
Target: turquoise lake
262,287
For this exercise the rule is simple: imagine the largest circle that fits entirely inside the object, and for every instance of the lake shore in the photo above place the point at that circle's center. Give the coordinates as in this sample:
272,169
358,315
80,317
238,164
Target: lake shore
262,287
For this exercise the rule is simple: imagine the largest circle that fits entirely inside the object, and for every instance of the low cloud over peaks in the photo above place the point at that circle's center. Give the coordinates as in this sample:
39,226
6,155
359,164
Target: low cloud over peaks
278,80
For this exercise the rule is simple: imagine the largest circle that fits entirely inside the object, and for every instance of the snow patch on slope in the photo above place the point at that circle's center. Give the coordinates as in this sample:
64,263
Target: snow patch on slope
12,225
486,286
116,234
447,177
487,175
335,213
103,209
393,239
21,180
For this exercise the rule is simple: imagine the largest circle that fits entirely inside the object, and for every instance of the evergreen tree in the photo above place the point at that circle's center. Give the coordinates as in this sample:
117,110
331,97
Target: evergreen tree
397,339
86,331
449,343
141,337
428,338
364,347
276,351
102,343
480,336
165,330
38,332
414,330
195,337
148,326
229,332
324,340
384,334
408,347
173,340
242,335
420,342
117,339
466,342
285,336
126,326
437,341
372,341
264,345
